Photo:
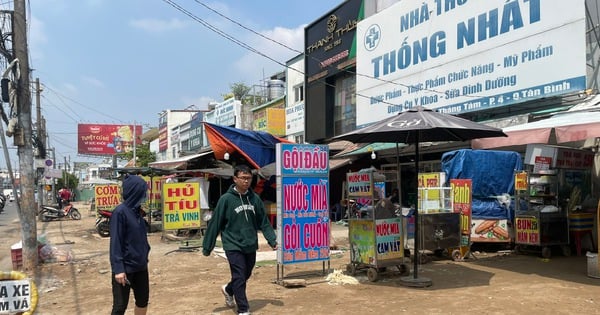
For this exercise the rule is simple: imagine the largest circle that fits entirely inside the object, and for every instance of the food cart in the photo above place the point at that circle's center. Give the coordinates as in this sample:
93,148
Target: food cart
556,179
440,225
539,222
375,236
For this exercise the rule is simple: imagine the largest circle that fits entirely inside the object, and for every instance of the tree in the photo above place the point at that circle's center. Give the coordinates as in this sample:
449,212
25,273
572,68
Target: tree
245,94
143,155
240,91
71,181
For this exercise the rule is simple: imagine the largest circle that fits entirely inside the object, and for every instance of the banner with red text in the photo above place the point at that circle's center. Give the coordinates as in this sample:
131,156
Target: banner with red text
303,229
104,139
107,197
462,190
181,206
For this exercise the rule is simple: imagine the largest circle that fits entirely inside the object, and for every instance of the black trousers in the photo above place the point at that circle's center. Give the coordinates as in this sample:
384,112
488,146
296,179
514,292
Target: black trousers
240,265
140,284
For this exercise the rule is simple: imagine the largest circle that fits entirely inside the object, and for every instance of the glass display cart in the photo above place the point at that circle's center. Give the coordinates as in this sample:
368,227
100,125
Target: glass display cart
540,223
440,224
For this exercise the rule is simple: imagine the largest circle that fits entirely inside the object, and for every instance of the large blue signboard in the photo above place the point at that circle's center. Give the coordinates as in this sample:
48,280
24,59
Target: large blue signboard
302,203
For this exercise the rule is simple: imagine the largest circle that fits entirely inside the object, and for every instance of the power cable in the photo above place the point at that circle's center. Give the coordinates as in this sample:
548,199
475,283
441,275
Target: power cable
81,104
252,49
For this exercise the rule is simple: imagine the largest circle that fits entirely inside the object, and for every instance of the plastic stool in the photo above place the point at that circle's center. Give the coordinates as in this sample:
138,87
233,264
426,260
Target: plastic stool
578,235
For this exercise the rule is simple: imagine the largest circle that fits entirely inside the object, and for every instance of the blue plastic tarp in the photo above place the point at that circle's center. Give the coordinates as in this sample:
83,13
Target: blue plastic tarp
493,179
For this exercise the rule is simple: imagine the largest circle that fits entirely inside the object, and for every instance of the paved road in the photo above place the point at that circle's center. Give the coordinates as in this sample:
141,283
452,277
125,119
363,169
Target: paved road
10,232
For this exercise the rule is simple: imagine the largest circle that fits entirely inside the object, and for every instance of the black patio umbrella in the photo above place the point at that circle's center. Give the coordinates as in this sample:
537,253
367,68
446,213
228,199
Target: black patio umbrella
420,124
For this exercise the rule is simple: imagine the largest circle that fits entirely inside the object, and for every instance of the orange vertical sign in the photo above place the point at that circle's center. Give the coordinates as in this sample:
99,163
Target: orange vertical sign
521,181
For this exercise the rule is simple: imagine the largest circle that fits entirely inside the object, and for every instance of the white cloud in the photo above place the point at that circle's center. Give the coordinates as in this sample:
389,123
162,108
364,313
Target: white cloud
156,25
93,81
255,67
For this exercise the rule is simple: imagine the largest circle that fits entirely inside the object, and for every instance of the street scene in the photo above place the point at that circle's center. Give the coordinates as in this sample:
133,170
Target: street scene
340,157
185,282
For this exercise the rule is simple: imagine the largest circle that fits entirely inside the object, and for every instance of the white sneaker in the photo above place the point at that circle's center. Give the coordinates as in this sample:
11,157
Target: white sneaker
244,313
229,301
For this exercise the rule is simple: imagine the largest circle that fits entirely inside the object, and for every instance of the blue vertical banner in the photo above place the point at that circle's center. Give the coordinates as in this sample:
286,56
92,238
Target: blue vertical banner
303,229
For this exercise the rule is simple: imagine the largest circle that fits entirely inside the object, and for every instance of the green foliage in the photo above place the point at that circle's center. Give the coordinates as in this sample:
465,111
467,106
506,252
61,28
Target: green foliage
245,94
143,155
68,180
239,90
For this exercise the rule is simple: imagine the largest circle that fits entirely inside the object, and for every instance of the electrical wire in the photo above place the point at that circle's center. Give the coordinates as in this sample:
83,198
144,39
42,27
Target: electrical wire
62,96
317,60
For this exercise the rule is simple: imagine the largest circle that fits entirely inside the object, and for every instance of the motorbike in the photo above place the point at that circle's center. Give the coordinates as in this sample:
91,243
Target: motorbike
48,212
103,223
2,202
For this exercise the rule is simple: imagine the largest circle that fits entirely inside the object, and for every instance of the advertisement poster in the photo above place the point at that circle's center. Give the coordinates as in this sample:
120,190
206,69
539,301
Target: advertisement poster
431,200
107,197
527,230
361,240
542,163
303,230
490,230
521,181
463,190
389,239
359,184
181,206
305,219
103,139
154,200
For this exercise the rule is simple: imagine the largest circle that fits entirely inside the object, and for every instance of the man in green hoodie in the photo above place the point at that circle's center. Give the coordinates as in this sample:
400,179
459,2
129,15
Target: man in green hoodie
238,216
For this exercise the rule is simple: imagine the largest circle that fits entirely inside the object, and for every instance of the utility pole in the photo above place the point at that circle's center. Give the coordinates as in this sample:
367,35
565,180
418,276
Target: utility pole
22,138
40,137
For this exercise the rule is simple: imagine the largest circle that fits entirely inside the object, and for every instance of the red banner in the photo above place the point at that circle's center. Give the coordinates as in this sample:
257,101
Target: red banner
106,139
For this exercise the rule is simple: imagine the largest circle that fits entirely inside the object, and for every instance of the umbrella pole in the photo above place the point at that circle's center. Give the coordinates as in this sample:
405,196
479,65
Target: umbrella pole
398,175
415,281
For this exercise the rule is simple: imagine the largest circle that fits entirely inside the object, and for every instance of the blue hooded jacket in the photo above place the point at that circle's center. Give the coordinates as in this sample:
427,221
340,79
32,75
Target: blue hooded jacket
129,247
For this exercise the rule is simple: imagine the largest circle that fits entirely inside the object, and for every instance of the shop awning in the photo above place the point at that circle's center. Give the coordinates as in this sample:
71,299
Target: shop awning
256,147
337,163
178,163
564,127
370,147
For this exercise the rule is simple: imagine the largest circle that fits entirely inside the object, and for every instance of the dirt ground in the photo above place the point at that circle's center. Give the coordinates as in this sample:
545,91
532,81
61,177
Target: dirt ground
185,282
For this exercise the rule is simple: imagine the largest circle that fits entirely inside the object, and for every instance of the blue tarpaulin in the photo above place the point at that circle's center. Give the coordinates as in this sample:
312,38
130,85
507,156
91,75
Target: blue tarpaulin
257,147
492,174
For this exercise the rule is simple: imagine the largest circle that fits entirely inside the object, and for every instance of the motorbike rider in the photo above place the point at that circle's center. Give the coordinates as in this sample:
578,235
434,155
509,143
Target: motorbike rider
64,195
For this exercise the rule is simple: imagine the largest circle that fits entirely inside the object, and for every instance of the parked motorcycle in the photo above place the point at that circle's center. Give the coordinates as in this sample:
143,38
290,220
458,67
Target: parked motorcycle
156,215
48,212
2,202
103,223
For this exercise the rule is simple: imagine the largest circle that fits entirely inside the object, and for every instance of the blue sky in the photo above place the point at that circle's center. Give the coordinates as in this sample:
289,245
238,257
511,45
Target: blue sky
113,61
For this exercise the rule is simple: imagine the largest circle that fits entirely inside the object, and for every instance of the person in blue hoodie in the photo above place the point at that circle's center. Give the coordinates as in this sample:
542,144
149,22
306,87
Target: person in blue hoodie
129,248
238,216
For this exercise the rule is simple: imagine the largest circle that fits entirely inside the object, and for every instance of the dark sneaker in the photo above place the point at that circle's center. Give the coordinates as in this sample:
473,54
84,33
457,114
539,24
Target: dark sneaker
228,298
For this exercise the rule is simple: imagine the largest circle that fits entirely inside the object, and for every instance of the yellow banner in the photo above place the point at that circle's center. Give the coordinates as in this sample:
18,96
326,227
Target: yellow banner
154,192
107,197
181,205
